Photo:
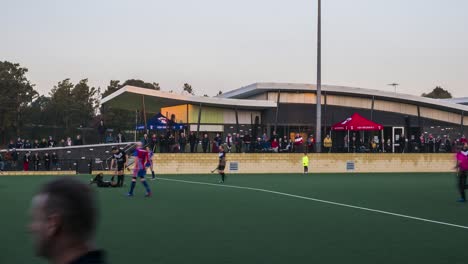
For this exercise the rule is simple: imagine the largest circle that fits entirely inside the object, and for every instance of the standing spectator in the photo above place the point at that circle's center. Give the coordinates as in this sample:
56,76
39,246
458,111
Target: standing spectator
145,140
172,143
69,142
27,144
36,161
205,143
388,146
275,145
11,145
463,140
62,143
78,141
109,138
55,161
19,143
430,143
422,143
298,143
310,143
237,143
373,146
219,139
121,139
163,144
448,145
153,142
51,142
47,161
183,142
101,131
273,136
346,144
438,142
26,160
264,137
192,141
247,142
14,159
2,163
229,142
35,144
328,144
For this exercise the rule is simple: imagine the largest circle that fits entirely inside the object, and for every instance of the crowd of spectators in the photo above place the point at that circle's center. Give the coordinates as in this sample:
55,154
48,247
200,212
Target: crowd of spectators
236,143
171,142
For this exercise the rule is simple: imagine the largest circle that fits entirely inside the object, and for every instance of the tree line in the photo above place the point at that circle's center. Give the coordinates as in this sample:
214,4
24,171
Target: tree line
67,110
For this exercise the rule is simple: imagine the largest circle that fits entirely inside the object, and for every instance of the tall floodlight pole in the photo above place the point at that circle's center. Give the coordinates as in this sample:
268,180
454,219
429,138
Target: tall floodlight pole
319,82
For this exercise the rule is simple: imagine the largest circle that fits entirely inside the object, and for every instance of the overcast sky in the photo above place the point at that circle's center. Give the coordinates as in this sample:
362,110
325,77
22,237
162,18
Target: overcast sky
222,45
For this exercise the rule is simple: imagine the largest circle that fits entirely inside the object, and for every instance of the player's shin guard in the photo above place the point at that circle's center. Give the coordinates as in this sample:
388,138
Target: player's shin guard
143,181
132,186
120,180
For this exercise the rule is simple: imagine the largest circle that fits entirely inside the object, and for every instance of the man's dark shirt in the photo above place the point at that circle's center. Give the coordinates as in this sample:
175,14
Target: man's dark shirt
92,257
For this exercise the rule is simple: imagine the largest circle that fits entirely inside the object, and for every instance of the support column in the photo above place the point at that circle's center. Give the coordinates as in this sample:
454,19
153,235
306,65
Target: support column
372,109
199,118
237,121
419,120
277,110
144,113
461,123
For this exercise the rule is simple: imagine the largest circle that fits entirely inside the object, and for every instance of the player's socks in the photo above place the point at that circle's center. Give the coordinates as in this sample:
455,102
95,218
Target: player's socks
222,177
146,186
132,187
152,173
112,179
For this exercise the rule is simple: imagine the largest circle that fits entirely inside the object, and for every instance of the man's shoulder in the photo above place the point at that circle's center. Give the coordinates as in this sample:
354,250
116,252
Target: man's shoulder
92,257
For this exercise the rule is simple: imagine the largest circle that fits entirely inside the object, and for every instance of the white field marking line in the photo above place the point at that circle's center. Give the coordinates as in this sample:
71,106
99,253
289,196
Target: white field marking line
320,201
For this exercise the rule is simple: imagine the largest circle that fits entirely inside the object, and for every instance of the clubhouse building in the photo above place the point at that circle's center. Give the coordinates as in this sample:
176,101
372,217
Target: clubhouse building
291,108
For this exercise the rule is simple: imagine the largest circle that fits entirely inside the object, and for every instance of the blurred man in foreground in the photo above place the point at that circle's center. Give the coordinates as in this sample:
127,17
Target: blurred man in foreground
63,224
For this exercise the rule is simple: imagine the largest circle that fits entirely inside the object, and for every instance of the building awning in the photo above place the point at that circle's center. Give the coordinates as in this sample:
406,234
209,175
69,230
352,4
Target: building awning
132,98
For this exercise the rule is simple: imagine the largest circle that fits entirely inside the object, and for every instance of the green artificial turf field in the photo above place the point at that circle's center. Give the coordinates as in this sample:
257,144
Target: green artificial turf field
192,223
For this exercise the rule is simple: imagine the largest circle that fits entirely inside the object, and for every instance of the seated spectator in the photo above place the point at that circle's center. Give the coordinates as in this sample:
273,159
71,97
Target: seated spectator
19,143
69,142
43,143
120,139
62,143
35,144
274,145
51,142
27,144
109,138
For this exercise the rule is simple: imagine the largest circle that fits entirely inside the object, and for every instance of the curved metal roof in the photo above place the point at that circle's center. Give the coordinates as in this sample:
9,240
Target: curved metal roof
258,88
131,98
